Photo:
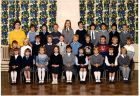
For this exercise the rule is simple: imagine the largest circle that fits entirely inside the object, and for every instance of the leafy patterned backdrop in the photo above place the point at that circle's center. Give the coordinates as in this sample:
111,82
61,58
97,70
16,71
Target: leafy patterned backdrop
110,11
27,11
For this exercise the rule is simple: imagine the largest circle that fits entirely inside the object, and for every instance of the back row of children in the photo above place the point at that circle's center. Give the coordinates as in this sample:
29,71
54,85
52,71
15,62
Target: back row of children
99,50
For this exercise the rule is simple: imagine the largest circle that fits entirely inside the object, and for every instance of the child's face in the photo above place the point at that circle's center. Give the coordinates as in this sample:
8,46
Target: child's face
110,51
128,42
15,45
32,29
61,39
27,53
125,28
95,51
17,26
44,29
103,27
92,27
56,50
26,42
123,51
113,27
49,40
16,52
67,24
81,51
41,51
81,26
87,39
103,40
114,41
68,50
75,39
37,40
55,27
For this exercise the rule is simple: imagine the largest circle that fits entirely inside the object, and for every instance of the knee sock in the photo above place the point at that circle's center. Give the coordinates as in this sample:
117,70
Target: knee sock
12,76
43,74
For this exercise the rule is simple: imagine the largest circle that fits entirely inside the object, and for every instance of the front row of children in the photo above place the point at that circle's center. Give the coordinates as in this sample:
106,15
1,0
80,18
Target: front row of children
56,63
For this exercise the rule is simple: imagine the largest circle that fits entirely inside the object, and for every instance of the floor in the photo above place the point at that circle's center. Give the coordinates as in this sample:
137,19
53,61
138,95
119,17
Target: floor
119,88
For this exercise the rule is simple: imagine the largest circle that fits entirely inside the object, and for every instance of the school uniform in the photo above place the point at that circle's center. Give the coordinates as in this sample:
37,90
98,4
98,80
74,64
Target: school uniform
27,61
103,33
23,48
116,49
31,36
43,37
81,33
94,36
62,47
103,49
112,34
49,49
75,46
35,49
55,36
68,34
88,49
11,52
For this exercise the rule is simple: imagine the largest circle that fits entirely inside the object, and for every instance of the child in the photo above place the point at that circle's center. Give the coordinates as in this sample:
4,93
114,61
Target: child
25,46
75,44
36,46
124,63
56,63
103,32
103,47
111,62
43,34
27,64
31,34
55,34
62,45
124,35
96,62
14,45
88,47
69,61
81,32
115,45
15,64
82,62
93,34
41,63
113,33
130,50
49,46
68,32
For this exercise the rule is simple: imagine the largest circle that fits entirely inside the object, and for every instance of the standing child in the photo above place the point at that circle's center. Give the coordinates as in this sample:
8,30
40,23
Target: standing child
56,63
81,32
27,64
55,34
49,46
31,34
62,45
41,63
15,64
75,44
68,32
111,62
124,63
25,46
69,61
82,62
96,62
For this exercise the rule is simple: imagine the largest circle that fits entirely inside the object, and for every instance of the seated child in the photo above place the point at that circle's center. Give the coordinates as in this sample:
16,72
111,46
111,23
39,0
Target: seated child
82,63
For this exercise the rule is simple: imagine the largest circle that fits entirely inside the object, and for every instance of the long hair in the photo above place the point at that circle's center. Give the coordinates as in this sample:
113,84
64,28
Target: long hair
65,24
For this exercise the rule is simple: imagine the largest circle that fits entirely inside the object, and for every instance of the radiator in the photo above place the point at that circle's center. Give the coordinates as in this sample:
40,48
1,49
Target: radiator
5,53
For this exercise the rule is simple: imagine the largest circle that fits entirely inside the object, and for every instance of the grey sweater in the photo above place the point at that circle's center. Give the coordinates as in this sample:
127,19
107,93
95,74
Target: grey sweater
105,33
123,60
68,35
96,59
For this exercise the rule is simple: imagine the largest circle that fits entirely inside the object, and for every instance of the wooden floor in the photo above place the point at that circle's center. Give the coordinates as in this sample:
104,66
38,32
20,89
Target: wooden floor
105,88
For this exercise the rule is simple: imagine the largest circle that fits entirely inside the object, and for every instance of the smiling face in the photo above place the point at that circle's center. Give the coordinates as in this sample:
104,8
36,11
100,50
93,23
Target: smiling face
44,29
68,24
55,28
103,27
80,25
81,51
49,40
56,50
125,28
68,50
17,26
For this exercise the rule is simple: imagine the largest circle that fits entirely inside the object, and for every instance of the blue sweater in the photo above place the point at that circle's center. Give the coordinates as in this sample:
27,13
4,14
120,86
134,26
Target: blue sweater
55,36
75,46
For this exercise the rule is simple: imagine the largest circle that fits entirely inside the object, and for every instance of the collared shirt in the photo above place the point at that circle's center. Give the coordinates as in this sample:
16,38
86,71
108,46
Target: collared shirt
16,56
49,43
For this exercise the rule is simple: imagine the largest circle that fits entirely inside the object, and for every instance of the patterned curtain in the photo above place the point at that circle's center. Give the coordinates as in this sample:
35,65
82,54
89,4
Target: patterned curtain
110,11
27,11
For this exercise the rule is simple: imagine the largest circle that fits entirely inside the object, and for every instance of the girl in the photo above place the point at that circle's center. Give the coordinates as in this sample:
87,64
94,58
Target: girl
15,64
111,62
96,62
41,63
56,63
69,61
68,32
14,45
62,45
25,46
82,62
124,63
27,64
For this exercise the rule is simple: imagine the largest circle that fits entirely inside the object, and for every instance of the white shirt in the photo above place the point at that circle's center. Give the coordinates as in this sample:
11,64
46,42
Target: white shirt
16,56
49,43
23,48
129,48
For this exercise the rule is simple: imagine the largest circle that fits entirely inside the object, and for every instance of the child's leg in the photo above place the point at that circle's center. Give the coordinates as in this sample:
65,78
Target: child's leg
84,74
53,78
113,76
127,73
12,76
99,76
67,75
39,74
81,74
26,74
15,76
95,75
43,74
70,76
123,72
110,76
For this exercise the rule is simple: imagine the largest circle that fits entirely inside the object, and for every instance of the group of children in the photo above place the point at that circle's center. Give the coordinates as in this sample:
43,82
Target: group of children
83,51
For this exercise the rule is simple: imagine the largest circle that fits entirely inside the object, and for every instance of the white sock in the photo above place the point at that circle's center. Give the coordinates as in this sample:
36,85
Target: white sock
39,74
43,74
95,74
81,75
84,75
67,75
15,76
112,78
70,76
99,75
12,76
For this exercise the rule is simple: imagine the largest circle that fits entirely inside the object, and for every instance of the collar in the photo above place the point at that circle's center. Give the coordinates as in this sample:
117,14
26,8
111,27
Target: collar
81,29
68,54
37,43
49,43
55,54
123,55
96,54
115,44
81,54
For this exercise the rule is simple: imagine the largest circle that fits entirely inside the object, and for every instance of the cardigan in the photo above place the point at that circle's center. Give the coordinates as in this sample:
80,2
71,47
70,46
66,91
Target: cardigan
96,59
68,35
75,46
123,60
27,61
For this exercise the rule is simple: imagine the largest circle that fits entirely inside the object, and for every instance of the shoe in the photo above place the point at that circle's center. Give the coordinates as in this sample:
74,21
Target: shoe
53,82
40,82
